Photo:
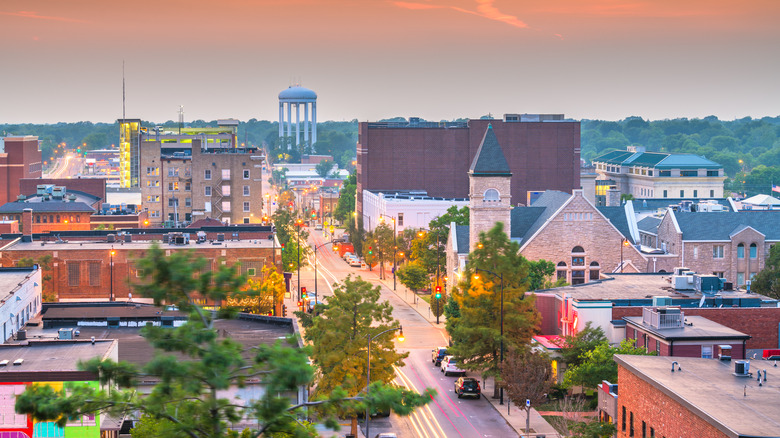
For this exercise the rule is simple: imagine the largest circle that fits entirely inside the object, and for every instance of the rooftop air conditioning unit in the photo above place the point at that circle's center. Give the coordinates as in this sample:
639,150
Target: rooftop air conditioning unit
65,333
662,301
111,238
742,368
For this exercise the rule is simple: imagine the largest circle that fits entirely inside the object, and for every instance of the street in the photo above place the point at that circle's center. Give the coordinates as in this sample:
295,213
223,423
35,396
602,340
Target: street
446,415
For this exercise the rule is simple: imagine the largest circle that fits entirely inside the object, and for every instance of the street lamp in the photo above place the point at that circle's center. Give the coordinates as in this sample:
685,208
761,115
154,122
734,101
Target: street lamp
623,242
368,367
111,280
395,248
316,247
299,223
501,357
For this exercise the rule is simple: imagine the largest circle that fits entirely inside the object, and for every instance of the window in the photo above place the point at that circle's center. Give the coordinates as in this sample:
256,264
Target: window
246,220
152,171
578,261
712,195
719,274
226,206
740,278
173,171
187,187
226,190
173,202
491,195
706,351
226,174
154,213
246,190
73,274
246,173
631,424
94,273
246,206
150,183
58,219
666,195
682,193
753,251
8,416
717,251
37,218
400,219
712,173
577,250
187,171
44,218
207,174
594,270
623,420
741,251
173,186
250,268
207,191
689,173
644,429
652,433
152,198
664,173
695,193
577,277
188,202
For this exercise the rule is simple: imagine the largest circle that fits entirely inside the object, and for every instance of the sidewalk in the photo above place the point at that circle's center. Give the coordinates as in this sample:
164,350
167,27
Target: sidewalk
515,417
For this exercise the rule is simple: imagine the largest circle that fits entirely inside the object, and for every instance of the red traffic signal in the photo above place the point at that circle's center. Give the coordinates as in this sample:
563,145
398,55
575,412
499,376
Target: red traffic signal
438,292
300,303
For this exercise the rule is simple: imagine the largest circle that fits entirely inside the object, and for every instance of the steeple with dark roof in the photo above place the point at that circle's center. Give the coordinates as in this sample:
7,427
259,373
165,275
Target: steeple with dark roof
490,159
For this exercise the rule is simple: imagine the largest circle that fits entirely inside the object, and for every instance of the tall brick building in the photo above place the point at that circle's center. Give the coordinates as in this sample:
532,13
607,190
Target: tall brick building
542,151
20,157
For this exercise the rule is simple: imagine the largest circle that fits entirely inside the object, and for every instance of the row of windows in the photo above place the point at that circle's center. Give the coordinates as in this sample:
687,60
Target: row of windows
48,218
249,267
695,193
577,217
718,251
647,432
225,174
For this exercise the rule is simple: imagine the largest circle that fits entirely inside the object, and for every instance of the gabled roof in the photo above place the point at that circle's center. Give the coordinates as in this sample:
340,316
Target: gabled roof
614,157
687,161
645,159
649,224
653,204
617,215
761,200
490,159
522,219
548,203
462,236
657,160
720,226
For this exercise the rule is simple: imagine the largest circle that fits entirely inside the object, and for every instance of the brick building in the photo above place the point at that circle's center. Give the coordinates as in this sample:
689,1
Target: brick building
90,186
20,157
82,266
731,244
694,398
542,151
182,184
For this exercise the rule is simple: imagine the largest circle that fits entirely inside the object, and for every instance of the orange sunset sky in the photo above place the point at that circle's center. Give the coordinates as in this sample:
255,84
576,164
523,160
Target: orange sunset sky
61,60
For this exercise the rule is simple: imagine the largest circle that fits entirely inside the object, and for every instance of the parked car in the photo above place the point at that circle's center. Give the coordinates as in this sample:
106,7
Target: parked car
437,354
355,262
449,366
386,435
467,386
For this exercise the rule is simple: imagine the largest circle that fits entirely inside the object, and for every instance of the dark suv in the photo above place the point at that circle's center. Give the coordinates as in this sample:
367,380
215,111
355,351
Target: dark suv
437,355
467,386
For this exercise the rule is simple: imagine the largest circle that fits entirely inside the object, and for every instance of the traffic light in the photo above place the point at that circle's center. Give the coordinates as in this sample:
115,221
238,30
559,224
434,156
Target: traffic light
438,292
284,310
300,303
370,250
283,247
313,215
303,292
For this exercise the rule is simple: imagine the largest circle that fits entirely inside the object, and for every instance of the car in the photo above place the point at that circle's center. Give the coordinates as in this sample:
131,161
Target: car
346,255
449,366
355,262
318,227
467,386
437,354
386,435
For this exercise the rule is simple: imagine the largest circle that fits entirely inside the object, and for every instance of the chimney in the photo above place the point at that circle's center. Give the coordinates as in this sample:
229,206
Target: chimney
27,225
613,198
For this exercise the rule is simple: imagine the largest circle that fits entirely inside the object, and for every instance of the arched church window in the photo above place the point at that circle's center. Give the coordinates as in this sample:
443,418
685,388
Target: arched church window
491,195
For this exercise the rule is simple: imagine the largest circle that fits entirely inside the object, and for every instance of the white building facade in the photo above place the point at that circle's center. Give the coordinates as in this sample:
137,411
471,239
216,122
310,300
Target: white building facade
410,209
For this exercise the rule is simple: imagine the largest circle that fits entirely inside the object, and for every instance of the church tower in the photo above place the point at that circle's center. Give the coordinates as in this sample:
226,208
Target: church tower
489,189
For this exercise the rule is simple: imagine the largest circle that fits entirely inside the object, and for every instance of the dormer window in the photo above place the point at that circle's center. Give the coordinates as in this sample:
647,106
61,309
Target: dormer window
491,195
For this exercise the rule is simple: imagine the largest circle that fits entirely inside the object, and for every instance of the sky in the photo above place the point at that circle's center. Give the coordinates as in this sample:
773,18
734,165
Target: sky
62,60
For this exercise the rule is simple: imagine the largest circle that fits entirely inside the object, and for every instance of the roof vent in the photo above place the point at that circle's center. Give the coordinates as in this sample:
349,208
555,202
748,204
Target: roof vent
3,362
18,362
742,368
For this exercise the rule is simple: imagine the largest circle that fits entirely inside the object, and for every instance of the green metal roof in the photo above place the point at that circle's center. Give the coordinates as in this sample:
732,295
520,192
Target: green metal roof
657,160
687,161
614,157
646,159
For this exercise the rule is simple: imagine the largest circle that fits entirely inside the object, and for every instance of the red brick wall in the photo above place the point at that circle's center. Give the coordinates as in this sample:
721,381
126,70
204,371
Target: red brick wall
759,322
548,306
542,156
665,415
23,160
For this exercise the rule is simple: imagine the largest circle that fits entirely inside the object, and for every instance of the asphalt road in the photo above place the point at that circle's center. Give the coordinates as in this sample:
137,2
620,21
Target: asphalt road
446,415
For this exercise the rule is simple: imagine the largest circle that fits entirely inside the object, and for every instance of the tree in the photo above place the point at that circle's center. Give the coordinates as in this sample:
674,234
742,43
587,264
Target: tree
476,333
540,274
382,242
413,276
339,336
193,366
767,281
323,168
598,365
574,348
453,214
44,262
346,204
260,297
527,376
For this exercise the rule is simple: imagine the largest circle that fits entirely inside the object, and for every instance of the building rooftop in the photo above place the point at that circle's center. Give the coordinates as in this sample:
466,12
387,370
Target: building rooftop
50,355
657,160
489,159
737,406
102,245
639,290
46,207
695,327
721,226
11,279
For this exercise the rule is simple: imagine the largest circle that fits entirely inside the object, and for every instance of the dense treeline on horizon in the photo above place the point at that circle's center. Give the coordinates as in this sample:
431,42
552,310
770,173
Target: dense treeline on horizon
748,148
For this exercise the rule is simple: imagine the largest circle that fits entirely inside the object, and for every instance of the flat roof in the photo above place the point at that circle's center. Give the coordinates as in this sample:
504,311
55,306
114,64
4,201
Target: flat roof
699,328
51,355
11,278
624,287
140,245
707,387
107,311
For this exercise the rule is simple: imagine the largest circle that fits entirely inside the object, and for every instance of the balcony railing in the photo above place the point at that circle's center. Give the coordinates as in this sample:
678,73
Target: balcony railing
663,317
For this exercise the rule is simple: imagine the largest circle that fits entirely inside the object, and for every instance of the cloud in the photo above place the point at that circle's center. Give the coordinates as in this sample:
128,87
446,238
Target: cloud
32,14
416,6
485,9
